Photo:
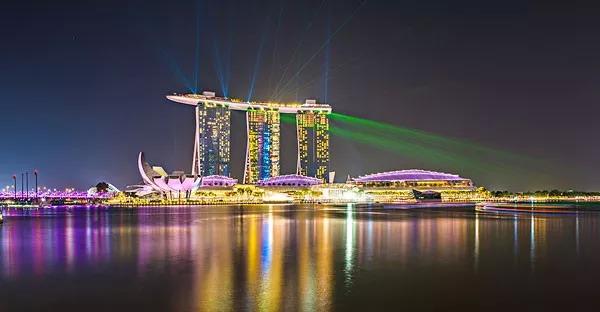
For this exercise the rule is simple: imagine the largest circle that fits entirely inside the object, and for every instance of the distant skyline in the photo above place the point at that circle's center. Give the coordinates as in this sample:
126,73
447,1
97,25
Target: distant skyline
84,82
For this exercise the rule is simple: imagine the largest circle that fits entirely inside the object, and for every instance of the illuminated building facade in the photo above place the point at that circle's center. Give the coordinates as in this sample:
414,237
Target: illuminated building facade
262,153
159,180
212,147
290,180
415,179
313,144
212,140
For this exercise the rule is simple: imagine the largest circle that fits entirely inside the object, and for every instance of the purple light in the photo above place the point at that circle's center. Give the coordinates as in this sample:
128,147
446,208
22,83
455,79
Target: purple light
408,175
217,180
176,183
290,180
55,195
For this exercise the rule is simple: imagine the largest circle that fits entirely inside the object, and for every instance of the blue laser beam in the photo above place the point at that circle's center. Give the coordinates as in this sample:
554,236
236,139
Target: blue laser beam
257,64
297,49
324,45
197,46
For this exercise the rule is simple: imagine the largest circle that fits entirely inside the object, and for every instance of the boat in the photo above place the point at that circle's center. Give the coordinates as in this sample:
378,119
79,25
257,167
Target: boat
524,208
428,204
427,196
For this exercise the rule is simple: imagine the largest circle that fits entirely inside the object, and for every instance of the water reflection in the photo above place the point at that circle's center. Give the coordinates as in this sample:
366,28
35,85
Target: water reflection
532,242
476,249
350,245
272,257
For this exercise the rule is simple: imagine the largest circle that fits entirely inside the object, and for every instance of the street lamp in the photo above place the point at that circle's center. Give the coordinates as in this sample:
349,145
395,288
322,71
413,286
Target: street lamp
27,184
35,172
15,180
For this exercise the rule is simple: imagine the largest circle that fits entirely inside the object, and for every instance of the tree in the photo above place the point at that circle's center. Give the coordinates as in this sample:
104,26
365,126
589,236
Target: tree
102,187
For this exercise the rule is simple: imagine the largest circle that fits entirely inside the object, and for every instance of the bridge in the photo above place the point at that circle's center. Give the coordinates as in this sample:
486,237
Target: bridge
52,195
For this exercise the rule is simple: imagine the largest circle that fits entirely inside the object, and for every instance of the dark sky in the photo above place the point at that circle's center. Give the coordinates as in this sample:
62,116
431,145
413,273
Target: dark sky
83,82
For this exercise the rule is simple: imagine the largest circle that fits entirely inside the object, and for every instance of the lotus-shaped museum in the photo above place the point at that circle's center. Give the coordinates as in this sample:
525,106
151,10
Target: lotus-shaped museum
159,180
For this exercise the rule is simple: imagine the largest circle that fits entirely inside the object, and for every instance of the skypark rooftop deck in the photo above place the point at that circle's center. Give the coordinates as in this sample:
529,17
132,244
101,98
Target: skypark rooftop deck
289,108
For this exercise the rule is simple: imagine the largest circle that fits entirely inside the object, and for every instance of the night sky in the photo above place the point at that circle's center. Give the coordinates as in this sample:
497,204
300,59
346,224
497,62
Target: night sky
83,83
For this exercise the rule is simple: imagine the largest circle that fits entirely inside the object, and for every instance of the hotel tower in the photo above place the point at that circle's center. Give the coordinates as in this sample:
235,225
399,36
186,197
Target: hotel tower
262,152
212,137
212,140
313,144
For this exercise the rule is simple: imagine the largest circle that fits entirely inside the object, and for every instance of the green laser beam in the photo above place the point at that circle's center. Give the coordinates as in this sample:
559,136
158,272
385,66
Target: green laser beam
421,145
473,156
405,148
424,137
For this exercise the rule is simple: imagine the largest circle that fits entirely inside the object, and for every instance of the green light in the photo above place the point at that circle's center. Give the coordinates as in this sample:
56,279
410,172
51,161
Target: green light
463,153
405,148
288,118
391,131
444,152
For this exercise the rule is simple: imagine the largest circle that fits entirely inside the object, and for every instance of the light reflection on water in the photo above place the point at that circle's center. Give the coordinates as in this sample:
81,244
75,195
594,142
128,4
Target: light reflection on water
276,257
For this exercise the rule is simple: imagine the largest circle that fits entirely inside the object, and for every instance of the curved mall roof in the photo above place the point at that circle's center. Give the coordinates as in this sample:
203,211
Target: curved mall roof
290,180
217,180
209,97
408,175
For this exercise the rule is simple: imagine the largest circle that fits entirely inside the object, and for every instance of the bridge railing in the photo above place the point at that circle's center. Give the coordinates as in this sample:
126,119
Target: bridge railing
54,195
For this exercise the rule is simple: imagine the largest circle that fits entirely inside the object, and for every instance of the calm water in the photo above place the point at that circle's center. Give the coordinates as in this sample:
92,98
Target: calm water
297,258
